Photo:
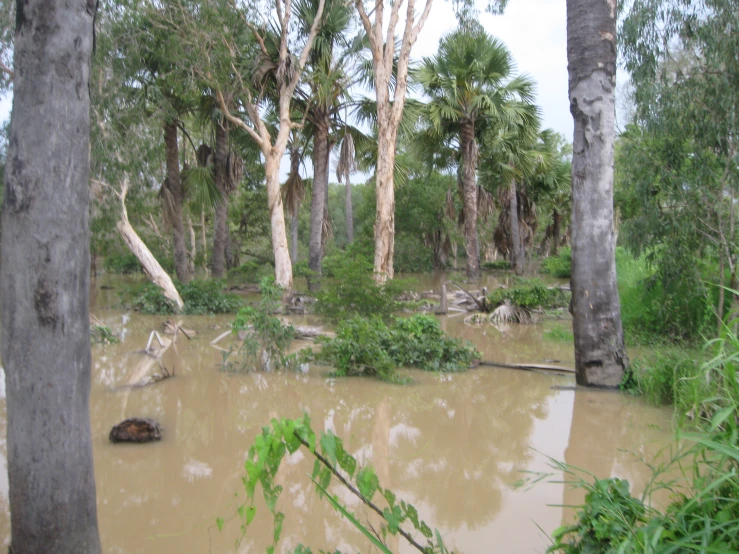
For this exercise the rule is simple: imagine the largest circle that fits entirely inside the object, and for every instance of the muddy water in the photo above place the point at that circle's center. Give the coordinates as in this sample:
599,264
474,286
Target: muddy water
459,447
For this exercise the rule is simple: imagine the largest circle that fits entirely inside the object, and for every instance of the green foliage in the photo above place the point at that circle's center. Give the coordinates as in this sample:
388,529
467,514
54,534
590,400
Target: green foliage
666,376
301,269
122,263
199,296
559,334
559,265
266,339
352,289
367,346
249,272
286,436
496,265
102,334
530,294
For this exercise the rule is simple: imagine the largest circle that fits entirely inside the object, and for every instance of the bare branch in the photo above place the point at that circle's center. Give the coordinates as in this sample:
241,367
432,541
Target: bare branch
390,38
257,36
238,122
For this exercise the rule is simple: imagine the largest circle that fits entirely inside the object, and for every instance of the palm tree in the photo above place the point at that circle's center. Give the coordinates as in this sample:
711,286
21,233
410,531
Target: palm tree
471,88
346,165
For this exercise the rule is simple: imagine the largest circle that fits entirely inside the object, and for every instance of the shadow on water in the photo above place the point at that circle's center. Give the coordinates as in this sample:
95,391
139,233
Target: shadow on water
455,445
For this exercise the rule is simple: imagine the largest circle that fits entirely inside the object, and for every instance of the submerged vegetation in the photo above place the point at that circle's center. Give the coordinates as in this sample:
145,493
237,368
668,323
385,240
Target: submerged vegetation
201,297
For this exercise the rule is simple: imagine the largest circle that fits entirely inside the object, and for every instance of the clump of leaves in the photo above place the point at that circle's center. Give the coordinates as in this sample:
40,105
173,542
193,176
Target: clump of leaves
353,291
266,338
530,294
199,296
559,265
367,346
286,436
249,272
102,334
121,263
496,265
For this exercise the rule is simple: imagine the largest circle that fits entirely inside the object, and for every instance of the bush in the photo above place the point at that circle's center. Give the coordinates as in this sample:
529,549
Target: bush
199,296
353,291
530,294
122,263
102,334
559,265
249,272
496,264
666,376
412,255
367,346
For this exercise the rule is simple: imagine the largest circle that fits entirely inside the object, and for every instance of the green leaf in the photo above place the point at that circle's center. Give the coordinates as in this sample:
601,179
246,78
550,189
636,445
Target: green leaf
367,482
328,445
279,518
219,523
251,511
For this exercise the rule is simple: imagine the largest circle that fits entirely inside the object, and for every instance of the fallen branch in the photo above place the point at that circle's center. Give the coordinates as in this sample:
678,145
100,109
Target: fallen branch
527,367
479,305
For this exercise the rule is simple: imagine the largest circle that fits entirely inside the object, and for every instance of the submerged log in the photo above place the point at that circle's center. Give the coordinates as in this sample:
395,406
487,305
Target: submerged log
135,430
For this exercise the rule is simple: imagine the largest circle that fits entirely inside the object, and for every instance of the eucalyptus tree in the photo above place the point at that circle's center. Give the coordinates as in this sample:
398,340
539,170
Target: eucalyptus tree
45,262
471,88
390,82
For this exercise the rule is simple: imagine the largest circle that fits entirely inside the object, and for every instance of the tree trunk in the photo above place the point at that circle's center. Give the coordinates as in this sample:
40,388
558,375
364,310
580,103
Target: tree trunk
385,213
348,209
45,276
516,254
220,234
469,184
174,185
294,233
318,201
556,226
600,356
283,267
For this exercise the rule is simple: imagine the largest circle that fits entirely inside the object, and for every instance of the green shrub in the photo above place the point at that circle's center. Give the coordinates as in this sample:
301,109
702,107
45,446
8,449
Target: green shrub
199,296
301,269
102,334
559,265
249,272
367,346
496,264
353,291
666,376
266,339
412,255
121,263
530,294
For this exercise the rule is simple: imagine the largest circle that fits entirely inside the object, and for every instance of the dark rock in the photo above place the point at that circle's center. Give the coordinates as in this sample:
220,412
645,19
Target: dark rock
135,430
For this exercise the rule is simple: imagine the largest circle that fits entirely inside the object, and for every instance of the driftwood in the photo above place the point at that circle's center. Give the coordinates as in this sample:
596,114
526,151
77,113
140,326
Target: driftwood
528,367
171,328
151,266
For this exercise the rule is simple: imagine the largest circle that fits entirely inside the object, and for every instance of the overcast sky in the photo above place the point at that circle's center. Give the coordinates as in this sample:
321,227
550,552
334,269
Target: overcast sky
535,33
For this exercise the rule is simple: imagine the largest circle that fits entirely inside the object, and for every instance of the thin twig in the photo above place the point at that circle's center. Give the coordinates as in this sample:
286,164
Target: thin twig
356,493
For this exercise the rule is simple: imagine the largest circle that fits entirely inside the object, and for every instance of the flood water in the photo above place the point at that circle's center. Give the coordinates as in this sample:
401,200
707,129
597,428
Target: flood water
457,446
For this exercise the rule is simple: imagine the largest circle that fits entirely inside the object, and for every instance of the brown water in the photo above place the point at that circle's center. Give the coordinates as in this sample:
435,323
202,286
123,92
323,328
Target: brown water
456,446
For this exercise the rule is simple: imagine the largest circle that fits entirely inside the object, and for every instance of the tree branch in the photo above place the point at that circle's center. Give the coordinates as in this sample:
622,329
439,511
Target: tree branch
6,69
238,122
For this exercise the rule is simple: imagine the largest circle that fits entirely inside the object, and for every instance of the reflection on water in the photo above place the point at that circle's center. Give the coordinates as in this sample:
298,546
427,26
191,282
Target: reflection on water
453,445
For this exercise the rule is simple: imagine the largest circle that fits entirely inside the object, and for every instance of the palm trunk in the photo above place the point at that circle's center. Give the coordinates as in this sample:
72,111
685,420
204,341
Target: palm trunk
348,209
385,213
283,267
45,276
600,356
294,233
516,254
318,200
174,185
469,184
556,226
220,233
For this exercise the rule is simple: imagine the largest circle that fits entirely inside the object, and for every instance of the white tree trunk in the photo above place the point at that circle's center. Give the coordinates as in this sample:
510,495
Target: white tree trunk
283,266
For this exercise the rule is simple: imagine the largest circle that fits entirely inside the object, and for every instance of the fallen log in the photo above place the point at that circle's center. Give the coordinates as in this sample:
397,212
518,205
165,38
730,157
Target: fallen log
528,367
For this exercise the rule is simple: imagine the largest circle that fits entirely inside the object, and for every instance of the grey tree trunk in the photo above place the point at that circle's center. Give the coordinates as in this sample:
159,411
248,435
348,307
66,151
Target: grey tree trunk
348,210
220,235
45,280
600,356
318,199
516,253
556,228
469,184
174,184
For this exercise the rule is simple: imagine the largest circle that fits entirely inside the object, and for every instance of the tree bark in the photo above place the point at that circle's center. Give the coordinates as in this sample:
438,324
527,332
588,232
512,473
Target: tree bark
283,267
45,277
385,212
600,356
318,200
556,227
516,254
469,185
220,235
174,185
294,232
349,211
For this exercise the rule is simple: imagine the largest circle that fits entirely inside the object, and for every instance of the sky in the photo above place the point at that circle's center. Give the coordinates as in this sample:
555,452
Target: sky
535,33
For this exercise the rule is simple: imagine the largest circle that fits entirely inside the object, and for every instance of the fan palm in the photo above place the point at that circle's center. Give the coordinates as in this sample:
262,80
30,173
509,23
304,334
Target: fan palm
471,87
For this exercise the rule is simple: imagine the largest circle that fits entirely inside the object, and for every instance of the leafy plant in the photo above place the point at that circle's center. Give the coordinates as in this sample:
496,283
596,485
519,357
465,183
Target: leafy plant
496,265
266,339
530,294
559,265
102,334
249,272
367,346
332,461
121,263
199,296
